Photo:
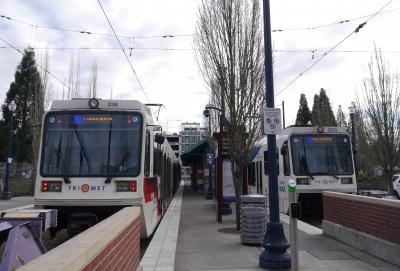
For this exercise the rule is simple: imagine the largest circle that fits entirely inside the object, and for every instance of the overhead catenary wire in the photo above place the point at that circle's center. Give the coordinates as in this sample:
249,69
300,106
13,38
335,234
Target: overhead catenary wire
123,50
333,23
106,48
333,48
192,49
87,32
40,66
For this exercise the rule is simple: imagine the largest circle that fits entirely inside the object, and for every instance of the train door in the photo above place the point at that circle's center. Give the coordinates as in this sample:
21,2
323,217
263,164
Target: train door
150,186
259,178
284,176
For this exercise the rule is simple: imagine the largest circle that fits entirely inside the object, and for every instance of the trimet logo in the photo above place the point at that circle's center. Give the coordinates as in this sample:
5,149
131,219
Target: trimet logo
86,188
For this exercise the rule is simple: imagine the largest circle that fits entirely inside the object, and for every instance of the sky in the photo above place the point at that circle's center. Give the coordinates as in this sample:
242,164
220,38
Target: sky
166,66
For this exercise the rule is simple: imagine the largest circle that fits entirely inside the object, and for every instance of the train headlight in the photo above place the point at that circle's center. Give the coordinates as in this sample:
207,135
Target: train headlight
126,186
93,103
346,180
52,186
303,181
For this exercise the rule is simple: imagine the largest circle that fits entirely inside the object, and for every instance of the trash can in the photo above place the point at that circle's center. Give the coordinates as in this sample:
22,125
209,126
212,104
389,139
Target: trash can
253,219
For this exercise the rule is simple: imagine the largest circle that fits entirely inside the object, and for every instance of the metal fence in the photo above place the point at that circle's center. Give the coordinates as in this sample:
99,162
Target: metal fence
20,178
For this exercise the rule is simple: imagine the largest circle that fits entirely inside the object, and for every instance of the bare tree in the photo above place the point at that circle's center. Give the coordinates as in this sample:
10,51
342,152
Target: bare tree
71,79
73,84
340,118
93,81
230,56
380,109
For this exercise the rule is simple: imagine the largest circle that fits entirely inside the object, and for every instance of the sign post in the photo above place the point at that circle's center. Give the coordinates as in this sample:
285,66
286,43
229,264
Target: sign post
275,255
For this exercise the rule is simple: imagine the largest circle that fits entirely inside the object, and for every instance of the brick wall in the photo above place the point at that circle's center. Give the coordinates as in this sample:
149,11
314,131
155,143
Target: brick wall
112,244
376,217
121,254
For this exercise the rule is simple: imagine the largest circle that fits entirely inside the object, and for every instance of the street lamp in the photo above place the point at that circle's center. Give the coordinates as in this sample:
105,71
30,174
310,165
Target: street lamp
352,110
6,195
218,180
210,192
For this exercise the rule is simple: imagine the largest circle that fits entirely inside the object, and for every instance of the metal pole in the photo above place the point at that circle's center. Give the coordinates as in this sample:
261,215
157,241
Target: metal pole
275,255
283,114
210,192
294,243
219,178
353,135
6,195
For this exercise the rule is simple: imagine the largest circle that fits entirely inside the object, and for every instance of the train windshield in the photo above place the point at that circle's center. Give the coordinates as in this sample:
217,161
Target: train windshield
91,144
321,155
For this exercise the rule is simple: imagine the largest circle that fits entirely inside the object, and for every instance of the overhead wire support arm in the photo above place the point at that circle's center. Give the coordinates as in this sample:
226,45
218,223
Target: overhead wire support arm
159,108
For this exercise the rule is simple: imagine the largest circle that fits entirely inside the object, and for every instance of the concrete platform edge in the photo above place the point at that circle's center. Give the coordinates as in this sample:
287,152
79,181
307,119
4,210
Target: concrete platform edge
380,248
160,254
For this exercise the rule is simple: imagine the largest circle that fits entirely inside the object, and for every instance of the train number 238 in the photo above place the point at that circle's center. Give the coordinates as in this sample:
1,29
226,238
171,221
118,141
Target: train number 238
112,104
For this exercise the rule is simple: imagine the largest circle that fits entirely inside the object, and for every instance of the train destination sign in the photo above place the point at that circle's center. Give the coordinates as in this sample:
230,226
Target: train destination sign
271,121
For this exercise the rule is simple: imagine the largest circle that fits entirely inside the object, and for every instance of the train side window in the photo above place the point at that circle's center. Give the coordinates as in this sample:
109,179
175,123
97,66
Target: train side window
147,155
266,162
260,182
286,162
156,161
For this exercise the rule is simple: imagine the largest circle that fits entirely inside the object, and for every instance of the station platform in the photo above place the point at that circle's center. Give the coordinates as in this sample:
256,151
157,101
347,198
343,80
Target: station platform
189,238
16,203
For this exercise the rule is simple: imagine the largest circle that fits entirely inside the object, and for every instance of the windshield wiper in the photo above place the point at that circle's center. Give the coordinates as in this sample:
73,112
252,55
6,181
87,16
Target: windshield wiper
303,161
123,160
60,158
309,175
83,148
109,178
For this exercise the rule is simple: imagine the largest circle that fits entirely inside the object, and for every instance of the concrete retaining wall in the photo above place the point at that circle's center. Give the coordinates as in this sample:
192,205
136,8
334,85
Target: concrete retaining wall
113,244
369,224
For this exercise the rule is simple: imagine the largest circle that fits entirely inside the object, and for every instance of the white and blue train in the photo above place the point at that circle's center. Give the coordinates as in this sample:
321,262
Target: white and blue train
98,156
318,159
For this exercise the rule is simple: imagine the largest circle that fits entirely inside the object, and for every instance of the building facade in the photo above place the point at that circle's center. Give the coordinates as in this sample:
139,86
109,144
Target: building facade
190,135
174,141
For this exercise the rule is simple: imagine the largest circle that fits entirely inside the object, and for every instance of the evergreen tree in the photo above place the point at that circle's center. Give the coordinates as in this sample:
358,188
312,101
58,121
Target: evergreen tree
21,91
303,114
322,114
315,110
340,118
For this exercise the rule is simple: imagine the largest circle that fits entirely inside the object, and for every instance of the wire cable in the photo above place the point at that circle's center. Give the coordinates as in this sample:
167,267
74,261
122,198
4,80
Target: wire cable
105,48
91,32
331,24
358,28
123,50
192,49
40,66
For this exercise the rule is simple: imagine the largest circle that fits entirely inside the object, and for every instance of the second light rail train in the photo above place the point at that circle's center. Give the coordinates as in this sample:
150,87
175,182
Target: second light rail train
317,158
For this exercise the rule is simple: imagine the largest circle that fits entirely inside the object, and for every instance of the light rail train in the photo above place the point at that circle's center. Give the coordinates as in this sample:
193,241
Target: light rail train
318,159
98,156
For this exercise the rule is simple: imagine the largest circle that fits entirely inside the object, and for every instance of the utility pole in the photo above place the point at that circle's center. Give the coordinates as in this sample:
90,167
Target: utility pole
352,109
275,255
